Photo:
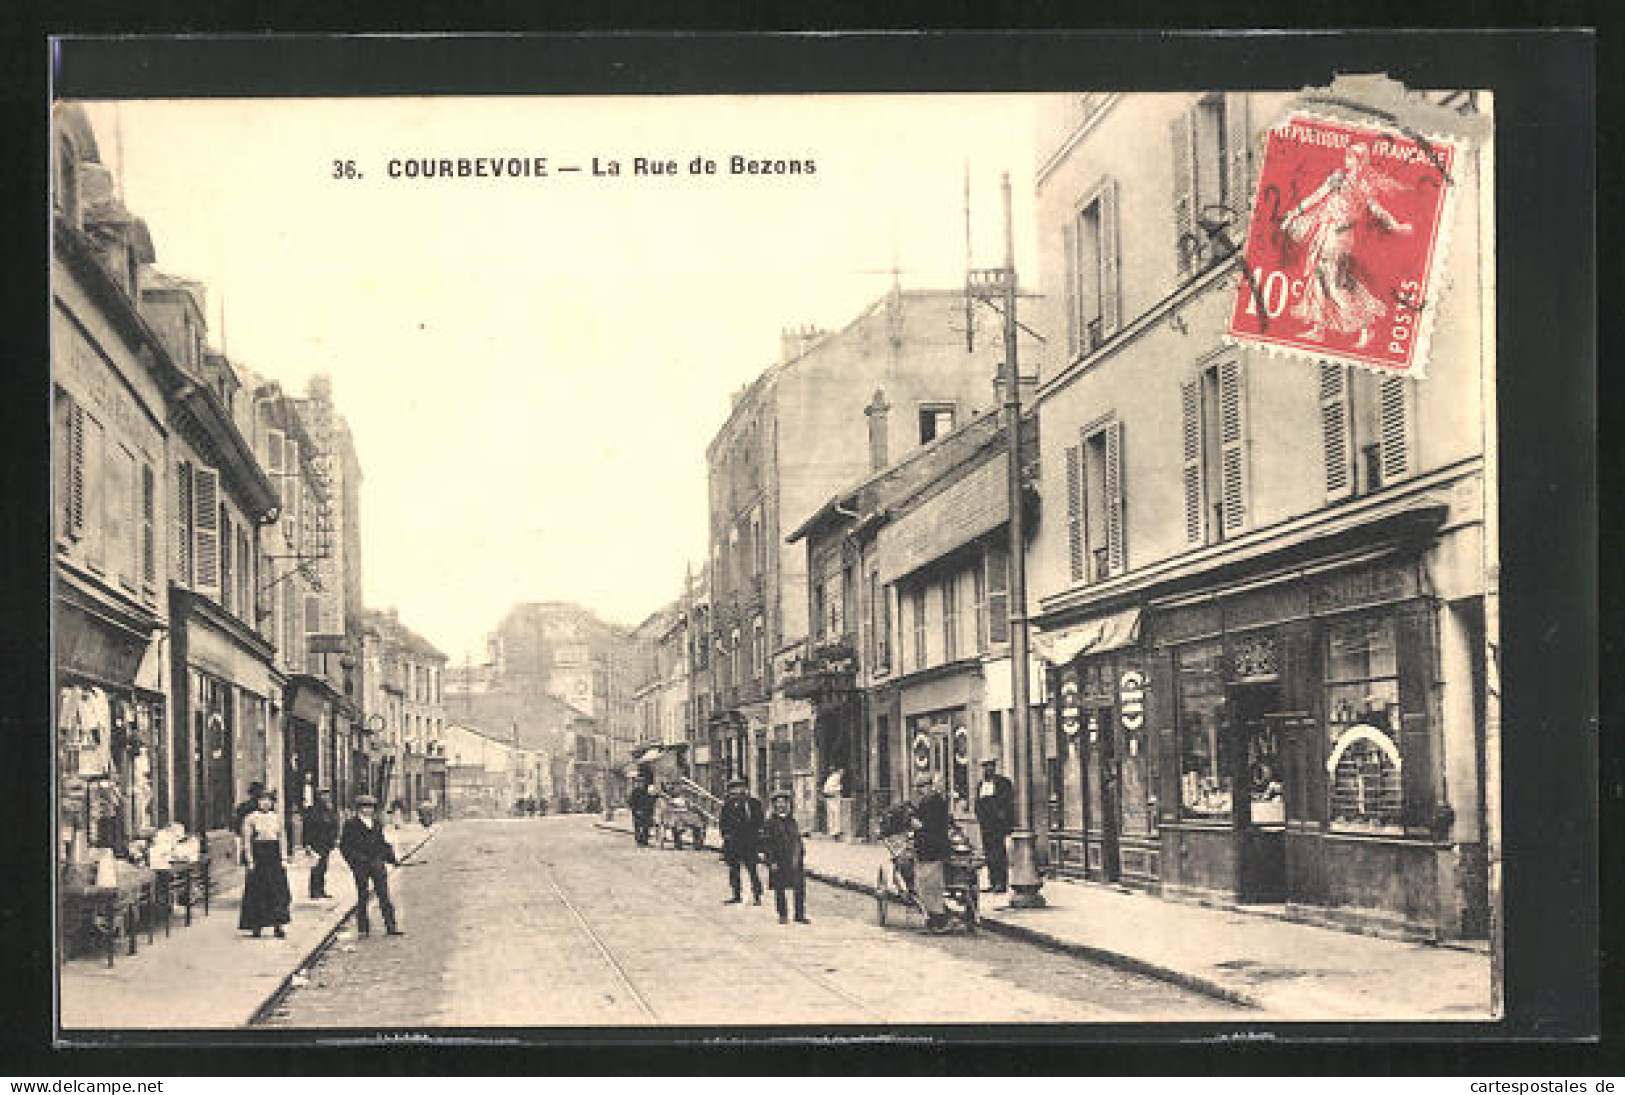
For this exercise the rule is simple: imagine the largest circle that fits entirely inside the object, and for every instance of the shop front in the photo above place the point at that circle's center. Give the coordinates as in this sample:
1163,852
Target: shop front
941,711
112,742
314,749
823,758
1302,755
1105,813
223,714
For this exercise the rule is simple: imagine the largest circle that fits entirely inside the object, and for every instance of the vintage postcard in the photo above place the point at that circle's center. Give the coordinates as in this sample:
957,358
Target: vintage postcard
767,561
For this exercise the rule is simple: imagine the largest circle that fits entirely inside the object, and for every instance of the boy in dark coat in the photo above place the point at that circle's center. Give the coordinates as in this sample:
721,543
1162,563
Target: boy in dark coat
321,833
366,851
741,823
786,857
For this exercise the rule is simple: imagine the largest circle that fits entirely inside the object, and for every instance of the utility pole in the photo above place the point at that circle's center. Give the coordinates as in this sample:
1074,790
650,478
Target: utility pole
1024,878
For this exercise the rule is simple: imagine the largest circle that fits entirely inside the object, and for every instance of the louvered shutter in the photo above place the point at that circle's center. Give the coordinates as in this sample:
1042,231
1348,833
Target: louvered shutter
1110,285
1070,276
149,516
1190,404
290,505
1233,445
1116,555
1336,443
1238,153
1185,241
1393,428
273,452
183,523
1074,511
76,469
1414,653
998,595
206,529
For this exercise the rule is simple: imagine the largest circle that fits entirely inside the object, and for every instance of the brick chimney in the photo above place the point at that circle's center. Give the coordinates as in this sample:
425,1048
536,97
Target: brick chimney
877,413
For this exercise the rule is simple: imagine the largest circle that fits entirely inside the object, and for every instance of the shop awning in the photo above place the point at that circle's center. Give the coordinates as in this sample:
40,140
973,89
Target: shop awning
1096,636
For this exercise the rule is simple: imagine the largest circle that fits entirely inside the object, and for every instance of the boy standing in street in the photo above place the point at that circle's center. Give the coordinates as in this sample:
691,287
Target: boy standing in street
786,857
365,849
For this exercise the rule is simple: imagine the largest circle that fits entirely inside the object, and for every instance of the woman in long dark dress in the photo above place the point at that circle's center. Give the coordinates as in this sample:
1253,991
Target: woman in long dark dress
265,893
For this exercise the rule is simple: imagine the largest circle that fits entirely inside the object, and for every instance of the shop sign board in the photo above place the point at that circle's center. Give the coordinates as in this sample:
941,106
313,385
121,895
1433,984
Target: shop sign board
1131,700
1070,711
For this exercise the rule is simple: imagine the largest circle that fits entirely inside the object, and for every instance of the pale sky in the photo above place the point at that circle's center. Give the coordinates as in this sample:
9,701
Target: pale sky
532,367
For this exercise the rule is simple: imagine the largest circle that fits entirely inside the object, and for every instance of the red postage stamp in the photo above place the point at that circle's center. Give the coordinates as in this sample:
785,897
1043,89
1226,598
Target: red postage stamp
1349,226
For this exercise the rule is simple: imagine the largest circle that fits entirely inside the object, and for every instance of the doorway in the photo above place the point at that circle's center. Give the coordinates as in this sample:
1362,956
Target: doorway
1257,725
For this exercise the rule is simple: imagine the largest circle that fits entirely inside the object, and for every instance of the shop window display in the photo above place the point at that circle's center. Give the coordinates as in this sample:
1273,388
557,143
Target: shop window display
1204,738
1364,763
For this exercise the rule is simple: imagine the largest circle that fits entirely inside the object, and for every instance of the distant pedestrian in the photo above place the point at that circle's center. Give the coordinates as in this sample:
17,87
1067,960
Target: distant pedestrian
786,857
367,851
321,834
641,801
996,815
740,821
266,899
931,850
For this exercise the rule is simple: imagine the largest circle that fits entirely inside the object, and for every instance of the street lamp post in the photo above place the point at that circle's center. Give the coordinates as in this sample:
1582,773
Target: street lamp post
1025,882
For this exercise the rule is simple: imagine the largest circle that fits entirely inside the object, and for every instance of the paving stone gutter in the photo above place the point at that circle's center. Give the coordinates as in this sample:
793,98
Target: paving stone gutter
269,1005
1044,939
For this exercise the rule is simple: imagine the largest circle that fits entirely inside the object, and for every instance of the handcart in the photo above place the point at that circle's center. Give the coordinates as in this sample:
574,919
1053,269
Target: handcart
675,816
894,884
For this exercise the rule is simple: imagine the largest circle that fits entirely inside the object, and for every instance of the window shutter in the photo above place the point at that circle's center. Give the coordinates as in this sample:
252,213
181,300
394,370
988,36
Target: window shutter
1393,428
149,507
1185,242
76,469
183,523
1233,444
206,530
1238,169
998,596
1190,402
1069,239
1116,555
290,505
1413,649
313,614
274,443
1336,444
1074,511
228,577
1110,306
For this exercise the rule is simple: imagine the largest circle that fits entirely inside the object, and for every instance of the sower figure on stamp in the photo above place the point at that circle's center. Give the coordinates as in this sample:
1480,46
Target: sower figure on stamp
321,834
366,851
741,823
1334,297
996,814
786,857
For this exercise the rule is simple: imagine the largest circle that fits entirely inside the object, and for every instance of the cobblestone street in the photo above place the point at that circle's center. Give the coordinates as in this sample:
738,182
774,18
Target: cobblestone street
553,922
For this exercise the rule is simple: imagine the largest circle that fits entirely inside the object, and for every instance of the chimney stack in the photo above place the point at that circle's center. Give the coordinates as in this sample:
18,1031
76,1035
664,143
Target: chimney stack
877,412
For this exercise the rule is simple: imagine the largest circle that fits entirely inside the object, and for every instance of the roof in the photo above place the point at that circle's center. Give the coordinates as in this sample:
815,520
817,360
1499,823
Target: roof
388,626
968,441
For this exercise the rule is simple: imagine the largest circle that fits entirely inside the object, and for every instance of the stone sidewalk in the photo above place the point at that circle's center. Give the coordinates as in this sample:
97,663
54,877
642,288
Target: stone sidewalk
1289,971
210,975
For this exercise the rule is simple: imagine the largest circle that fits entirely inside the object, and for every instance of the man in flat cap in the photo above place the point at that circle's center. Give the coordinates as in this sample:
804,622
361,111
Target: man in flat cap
364,848
996,815
741,823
